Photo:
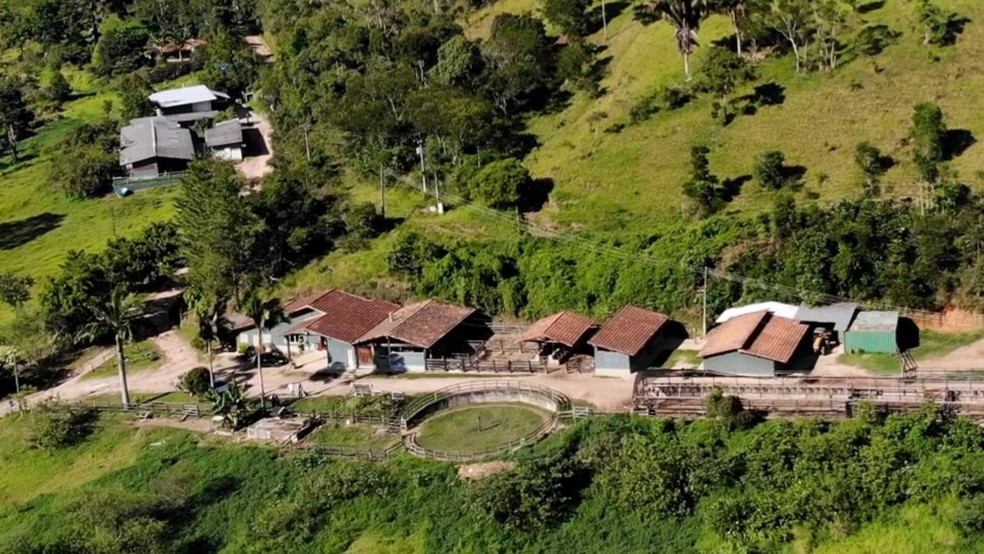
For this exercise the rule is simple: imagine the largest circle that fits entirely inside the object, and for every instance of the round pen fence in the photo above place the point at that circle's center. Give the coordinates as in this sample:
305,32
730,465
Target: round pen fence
482,392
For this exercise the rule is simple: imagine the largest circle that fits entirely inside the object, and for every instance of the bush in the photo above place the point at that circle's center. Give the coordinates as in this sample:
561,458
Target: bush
501,184
54,429
770,170
362,221
196,382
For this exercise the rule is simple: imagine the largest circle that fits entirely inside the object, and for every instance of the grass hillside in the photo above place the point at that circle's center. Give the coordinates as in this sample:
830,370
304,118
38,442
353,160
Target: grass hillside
610,181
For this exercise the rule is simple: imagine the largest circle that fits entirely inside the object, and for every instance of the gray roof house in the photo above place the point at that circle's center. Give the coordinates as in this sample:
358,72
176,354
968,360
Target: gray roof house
225,140
151,146
189,104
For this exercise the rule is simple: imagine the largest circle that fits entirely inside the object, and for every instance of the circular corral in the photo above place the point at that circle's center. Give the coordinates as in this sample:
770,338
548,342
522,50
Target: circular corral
542,402
477,427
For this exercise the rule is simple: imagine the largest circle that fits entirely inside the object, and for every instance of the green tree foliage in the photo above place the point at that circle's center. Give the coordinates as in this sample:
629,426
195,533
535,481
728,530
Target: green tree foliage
686,16
59,90
54,428
229,64
121,51
16,117
738,12
501,184
15,289
770,170
721,73
113,313
703,186
576,65
197,382
459,63
939,27
570,16
929,133
870,161
362,221
522,57
134,90
217,228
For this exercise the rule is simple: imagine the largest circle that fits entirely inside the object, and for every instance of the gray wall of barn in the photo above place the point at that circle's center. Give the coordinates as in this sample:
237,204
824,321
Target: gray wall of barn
736,363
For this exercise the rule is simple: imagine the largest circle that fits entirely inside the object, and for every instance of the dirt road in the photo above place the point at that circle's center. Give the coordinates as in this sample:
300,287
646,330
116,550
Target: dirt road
257,164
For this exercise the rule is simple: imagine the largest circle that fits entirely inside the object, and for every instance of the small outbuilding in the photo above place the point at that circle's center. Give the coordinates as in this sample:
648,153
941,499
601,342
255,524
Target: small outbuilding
835,318
225,140
560,335
629,342
757,344
406,338
873,332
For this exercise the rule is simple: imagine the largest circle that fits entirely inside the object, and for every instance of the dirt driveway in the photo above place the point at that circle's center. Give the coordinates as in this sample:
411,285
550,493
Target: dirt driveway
259,147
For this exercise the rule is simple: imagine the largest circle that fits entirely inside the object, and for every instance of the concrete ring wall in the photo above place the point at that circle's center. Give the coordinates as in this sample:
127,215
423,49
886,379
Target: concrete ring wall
493,396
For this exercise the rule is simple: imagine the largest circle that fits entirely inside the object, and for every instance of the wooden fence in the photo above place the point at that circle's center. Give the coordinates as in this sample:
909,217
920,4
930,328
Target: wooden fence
484,366
357,453
410,442
157,409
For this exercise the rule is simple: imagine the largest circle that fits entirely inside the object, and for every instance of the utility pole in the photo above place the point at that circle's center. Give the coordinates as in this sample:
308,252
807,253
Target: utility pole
705,303
423,171
382,190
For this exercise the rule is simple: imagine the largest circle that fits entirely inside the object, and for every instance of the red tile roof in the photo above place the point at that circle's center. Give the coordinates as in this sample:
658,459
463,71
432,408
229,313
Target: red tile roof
422,324
346,316
758,334
630,330
567,328
735,334
779,339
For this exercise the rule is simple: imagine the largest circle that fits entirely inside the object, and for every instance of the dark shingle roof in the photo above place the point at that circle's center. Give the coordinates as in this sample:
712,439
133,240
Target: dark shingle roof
630,330
224,134
147,138
422,324
567,328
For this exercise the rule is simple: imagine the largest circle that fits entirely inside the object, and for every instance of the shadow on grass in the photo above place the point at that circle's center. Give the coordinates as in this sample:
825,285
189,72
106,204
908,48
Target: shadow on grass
14,234
956,142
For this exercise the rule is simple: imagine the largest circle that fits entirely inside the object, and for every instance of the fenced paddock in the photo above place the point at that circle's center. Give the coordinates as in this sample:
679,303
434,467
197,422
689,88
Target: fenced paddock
483,392
684,394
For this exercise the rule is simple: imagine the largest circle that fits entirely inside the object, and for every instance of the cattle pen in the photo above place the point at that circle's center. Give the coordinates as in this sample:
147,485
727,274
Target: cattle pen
683,394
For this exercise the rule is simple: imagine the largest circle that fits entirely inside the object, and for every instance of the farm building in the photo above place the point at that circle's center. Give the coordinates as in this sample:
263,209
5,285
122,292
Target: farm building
560,335
345,318
629,342
409,336
225,140
153,146
759,344
189,104
298,312
873,332
178,52
836,318
778,308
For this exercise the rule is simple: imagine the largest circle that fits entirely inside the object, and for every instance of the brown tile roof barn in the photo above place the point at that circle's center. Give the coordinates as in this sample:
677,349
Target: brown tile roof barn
734,334
758,334
630,330
347,316
422,324
567,328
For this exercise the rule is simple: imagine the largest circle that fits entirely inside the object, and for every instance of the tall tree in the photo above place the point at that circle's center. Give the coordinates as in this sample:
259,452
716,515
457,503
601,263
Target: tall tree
15,116
929,132
266,314
115,314
737,10
217,229
686,16
211,325
793,20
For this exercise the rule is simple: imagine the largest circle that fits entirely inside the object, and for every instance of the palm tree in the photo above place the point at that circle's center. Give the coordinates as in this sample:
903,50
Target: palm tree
211,326
737,10
266,314
115,314
686,16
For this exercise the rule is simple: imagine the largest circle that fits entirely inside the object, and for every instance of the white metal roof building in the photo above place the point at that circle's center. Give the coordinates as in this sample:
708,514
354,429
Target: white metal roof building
186,96
776,308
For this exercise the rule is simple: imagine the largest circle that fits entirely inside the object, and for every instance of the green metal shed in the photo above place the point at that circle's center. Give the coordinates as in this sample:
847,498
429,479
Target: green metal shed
873,332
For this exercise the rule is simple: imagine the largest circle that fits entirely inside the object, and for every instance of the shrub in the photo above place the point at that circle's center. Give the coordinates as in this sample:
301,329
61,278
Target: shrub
770,170
196,382
362,221
728,410
53,429
928,131
501,184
